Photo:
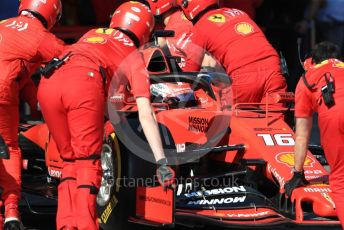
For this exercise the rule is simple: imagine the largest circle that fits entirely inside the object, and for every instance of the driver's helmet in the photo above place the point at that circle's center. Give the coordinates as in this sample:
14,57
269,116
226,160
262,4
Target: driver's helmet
174,94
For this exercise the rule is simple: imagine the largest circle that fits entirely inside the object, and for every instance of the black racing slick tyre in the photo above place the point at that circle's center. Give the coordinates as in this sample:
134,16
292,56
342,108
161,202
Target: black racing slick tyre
112,197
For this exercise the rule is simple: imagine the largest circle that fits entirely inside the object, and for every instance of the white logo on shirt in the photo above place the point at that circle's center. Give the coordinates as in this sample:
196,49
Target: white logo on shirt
119,36
20,26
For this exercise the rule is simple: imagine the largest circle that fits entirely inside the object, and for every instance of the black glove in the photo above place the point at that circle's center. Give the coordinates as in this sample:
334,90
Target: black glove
165,174
297,180
4,152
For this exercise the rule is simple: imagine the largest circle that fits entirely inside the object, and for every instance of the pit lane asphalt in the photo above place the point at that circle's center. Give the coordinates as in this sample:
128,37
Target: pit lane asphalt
47,222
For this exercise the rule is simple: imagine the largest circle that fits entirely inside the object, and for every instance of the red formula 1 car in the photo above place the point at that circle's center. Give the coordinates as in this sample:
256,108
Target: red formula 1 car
232,161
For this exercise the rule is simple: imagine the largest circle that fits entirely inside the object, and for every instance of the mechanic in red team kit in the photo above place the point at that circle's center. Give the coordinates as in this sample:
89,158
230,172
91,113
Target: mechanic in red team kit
174,19
238,44
25,43
322,90
72,101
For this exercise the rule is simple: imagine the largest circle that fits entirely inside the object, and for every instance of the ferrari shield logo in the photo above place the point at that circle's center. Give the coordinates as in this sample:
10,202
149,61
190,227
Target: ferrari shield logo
217,18
244,28
329,199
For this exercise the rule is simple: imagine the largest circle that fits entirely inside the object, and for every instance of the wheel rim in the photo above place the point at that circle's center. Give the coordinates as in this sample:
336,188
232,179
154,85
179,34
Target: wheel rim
108,182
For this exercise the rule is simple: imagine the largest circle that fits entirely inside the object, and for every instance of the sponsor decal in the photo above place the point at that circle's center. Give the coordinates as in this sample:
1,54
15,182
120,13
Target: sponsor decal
244,28
230,200
20,26
267,129
287,158
180,148
155,200
248,215
219,191
117,98
279,178
108,210
234,12
184,188
313,172
107,31
118,35
317,189
203,100
93,40
198,124
55,173
329,199
217,18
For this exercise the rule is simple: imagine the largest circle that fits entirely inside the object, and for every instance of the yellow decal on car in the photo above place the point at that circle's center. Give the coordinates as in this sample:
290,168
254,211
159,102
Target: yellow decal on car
288,159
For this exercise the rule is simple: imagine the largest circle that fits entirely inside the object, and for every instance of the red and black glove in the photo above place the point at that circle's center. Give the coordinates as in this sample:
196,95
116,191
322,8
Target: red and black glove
165,174
297,180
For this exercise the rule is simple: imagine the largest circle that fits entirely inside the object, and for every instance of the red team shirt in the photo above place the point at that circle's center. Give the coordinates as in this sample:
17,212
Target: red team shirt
231,37
311,101
116,54
24,45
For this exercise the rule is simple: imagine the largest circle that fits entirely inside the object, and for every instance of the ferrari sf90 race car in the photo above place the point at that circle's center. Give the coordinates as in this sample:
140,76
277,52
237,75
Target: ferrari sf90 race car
231,161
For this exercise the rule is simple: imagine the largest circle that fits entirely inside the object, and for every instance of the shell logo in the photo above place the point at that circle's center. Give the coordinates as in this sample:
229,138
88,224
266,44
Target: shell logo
244,28
287,158
100,40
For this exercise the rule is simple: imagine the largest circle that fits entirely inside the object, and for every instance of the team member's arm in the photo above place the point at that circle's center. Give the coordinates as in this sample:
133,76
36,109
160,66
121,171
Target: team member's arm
138,74
164,173
28,90
192,46
50,47
134,69
150,127
303,114
303,132
29,94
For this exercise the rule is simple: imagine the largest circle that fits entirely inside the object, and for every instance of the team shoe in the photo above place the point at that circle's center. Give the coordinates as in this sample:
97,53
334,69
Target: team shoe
13,224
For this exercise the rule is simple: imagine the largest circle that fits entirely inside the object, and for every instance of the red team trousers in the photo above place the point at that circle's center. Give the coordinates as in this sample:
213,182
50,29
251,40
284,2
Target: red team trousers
72,102
10,178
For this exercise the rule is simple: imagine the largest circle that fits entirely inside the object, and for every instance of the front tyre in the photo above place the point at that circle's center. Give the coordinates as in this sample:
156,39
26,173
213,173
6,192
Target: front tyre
111,199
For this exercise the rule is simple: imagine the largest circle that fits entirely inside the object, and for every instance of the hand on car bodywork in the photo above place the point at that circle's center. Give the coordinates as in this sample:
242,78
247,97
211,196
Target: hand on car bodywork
165,174
297,180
